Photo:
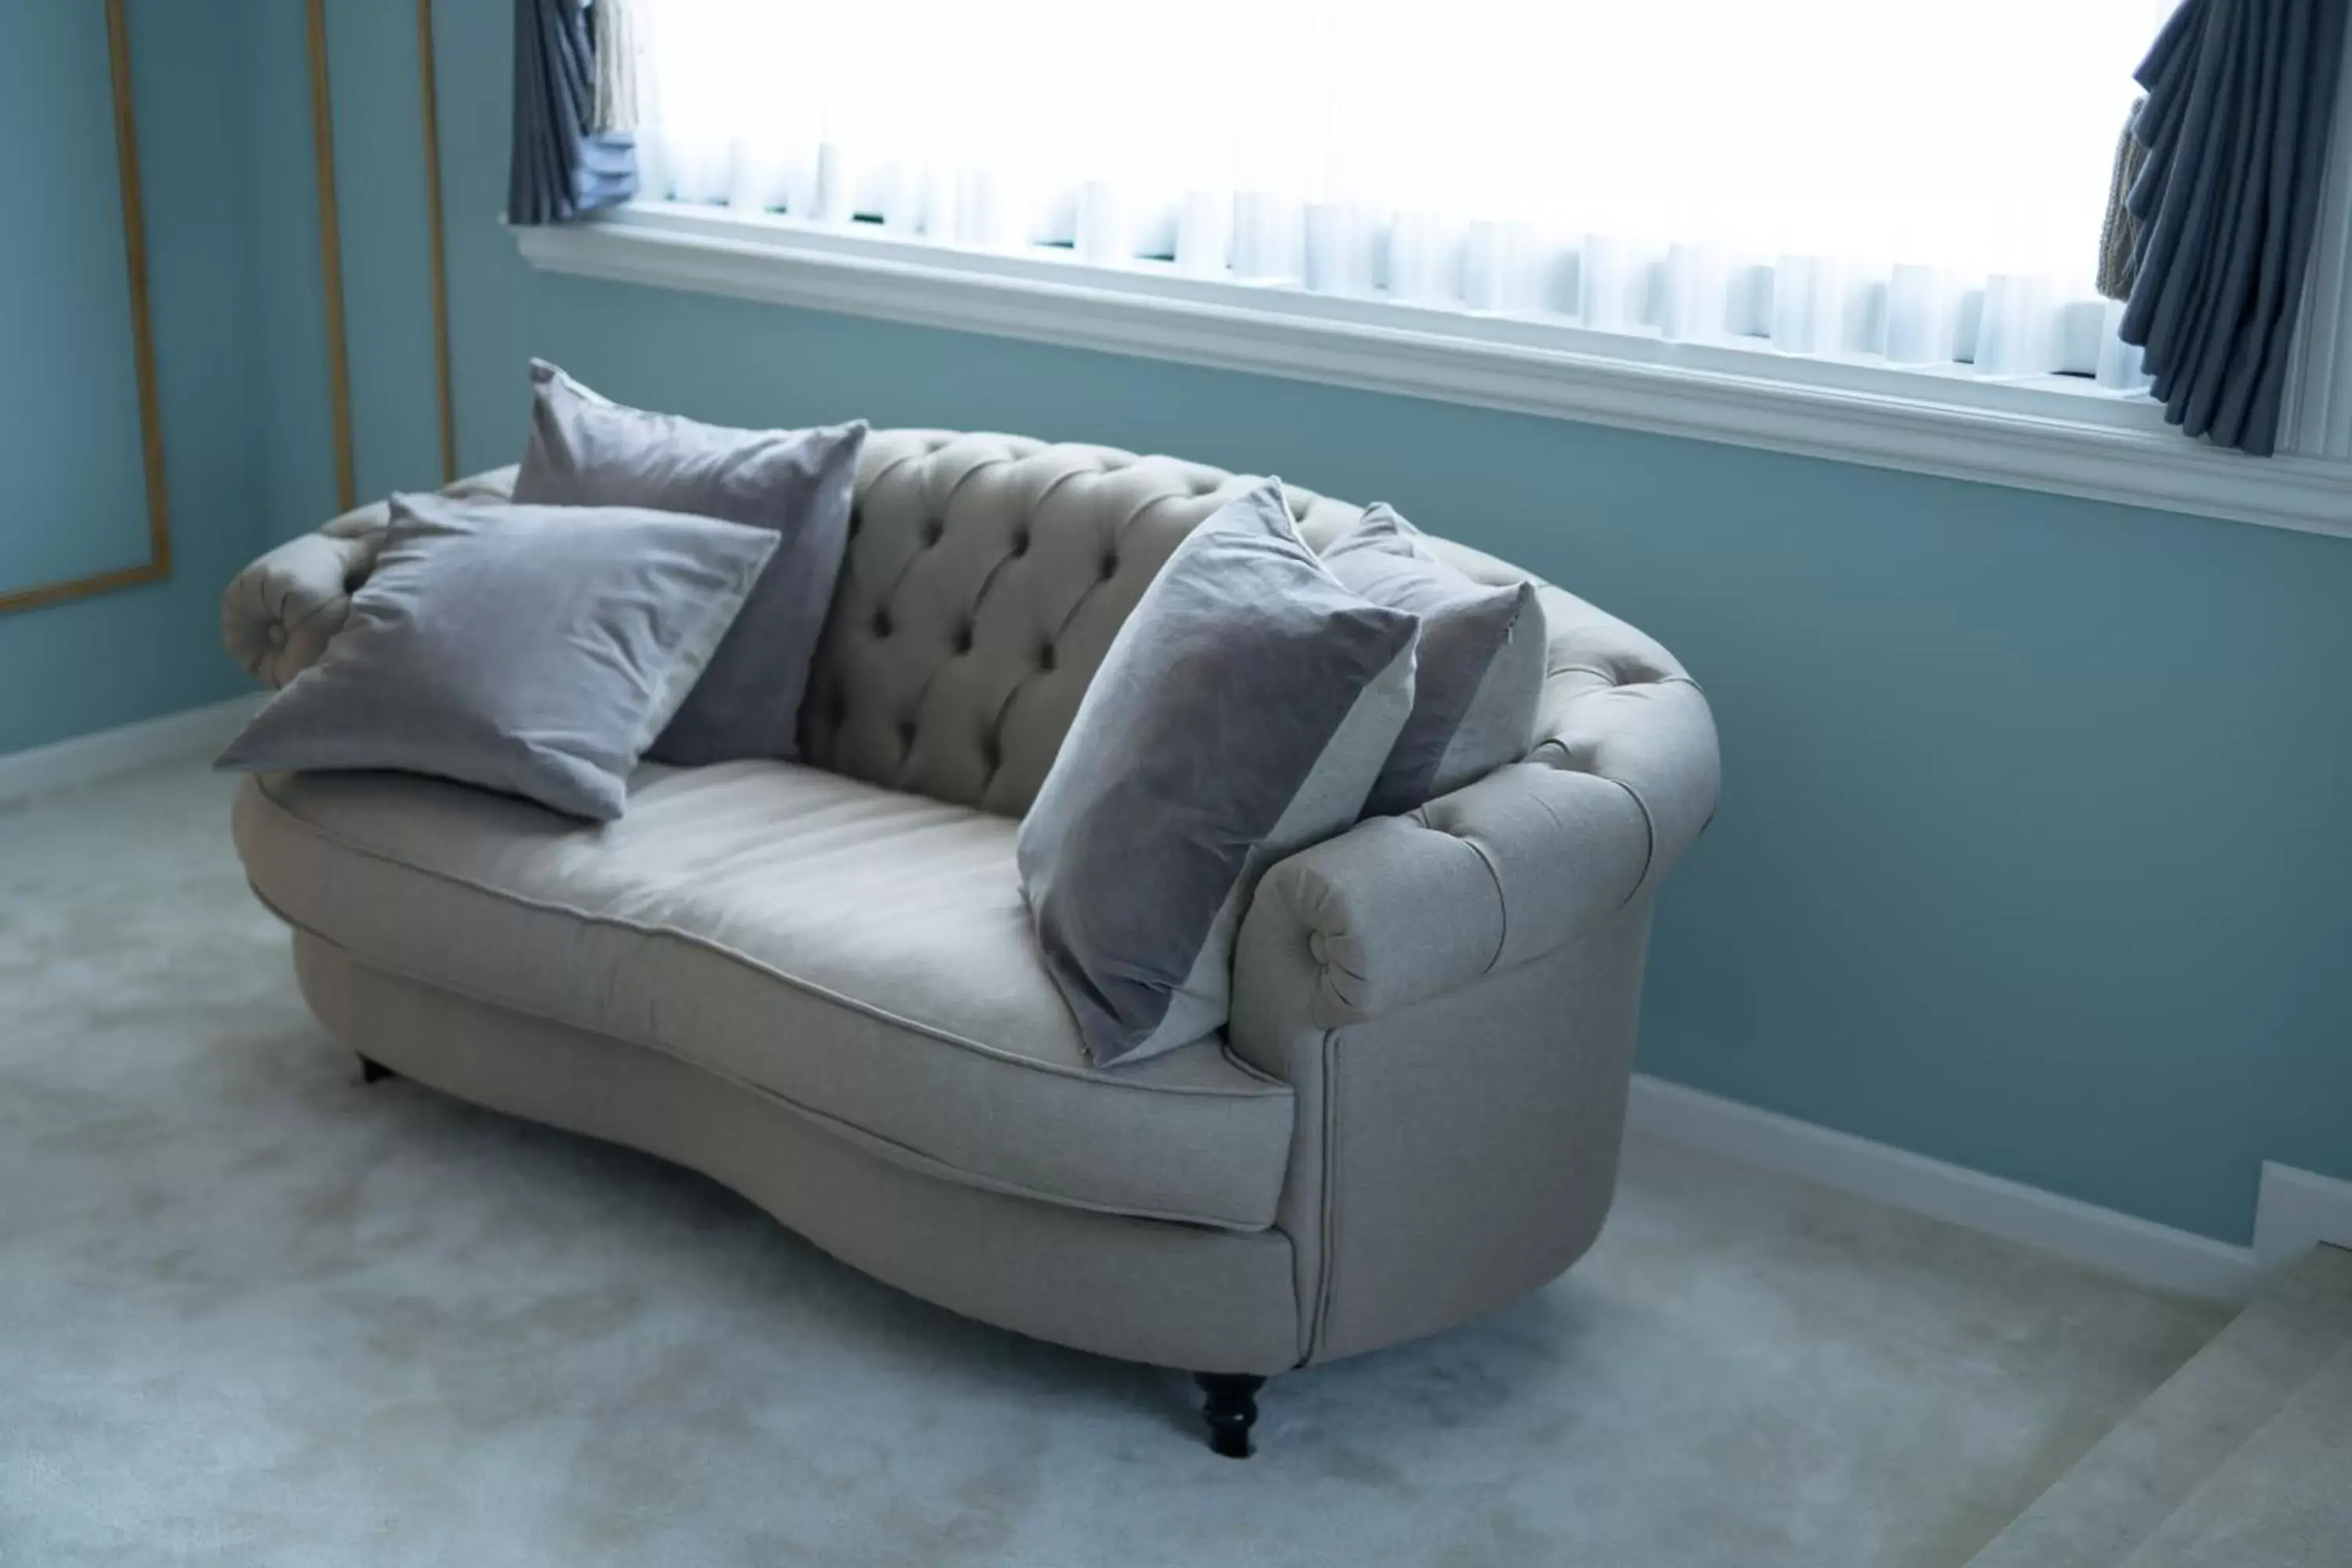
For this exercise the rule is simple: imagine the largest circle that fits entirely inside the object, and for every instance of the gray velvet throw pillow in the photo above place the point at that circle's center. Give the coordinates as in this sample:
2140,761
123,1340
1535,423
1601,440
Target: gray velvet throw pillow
1482,661
586,450
1240,714
536,650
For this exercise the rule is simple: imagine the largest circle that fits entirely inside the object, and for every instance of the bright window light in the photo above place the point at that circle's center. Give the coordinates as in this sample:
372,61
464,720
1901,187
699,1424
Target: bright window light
1838,175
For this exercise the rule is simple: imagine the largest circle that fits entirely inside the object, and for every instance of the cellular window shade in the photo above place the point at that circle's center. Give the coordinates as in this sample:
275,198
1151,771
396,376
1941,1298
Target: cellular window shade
1918,183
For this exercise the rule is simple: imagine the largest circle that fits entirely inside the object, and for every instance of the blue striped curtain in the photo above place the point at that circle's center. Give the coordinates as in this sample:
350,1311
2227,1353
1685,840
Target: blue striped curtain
560,165
2241,94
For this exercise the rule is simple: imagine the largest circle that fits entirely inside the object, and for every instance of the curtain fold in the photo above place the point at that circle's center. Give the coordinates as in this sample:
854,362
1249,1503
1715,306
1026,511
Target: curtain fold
2241,97
562,161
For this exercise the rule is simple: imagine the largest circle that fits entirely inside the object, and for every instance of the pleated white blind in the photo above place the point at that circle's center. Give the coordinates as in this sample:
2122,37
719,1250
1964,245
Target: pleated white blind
1917,181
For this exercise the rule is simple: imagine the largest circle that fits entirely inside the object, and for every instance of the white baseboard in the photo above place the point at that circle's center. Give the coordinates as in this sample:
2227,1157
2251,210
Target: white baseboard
88,758
2297,1211
2119,1244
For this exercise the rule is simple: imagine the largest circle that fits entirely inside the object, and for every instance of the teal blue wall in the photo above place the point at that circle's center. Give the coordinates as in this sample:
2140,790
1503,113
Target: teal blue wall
291,409
69,443
2035,847
69,396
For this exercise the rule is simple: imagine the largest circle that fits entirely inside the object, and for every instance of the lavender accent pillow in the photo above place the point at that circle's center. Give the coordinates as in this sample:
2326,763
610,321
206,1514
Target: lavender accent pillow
1239,716
586,450
535,650
1482,661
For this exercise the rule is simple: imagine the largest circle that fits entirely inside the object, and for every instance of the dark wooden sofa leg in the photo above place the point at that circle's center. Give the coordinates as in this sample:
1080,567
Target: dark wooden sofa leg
371,1072
1231,1410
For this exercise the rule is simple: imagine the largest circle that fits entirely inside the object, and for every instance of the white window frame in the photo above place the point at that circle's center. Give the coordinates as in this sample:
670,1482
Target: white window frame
2065,435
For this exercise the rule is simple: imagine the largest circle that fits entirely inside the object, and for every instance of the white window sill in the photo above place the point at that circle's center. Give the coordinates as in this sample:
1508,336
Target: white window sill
2058,434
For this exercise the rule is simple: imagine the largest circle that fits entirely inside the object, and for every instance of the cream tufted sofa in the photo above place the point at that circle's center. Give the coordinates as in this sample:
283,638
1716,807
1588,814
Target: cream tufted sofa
816,982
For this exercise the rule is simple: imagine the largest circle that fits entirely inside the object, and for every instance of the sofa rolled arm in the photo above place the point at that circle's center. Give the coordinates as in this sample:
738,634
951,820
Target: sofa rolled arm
1506,869
278,613
1452,997
1402,907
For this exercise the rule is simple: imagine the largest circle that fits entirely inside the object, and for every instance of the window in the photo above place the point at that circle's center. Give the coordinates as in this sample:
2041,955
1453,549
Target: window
1846,227
1921,180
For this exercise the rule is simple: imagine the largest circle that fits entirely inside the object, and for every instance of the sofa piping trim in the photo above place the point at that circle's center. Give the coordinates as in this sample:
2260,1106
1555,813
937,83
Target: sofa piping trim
1276,1089
1327,1208
1648,843
1502,903
1649,822
877,1144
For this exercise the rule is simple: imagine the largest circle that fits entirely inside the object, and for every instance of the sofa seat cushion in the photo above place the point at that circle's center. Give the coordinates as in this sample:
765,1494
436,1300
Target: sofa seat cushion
859,955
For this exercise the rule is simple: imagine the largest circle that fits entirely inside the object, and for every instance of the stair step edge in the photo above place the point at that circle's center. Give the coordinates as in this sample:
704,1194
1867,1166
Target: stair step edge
2121,1492
2283,1501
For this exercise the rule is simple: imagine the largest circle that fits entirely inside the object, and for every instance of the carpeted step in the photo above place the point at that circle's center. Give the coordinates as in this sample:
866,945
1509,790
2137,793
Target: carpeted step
2293,1336
2284,1501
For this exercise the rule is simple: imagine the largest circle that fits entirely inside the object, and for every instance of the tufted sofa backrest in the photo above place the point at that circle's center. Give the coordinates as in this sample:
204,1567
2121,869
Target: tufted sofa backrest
985,578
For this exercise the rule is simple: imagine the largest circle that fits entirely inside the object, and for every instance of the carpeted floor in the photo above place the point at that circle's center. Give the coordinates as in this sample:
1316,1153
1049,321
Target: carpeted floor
254,1313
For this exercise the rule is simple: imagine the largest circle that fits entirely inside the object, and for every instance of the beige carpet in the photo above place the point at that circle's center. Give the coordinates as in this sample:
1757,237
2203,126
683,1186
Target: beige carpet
254,1313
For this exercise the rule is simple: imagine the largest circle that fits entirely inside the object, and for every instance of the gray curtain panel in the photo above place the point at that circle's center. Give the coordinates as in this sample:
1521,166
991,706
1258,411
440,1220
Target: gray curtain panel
559,166
2241,94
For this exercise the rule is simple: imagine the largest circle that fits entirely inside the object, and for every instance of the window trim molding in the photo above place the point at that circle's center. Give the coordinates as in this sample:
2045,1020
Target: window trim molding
2067,439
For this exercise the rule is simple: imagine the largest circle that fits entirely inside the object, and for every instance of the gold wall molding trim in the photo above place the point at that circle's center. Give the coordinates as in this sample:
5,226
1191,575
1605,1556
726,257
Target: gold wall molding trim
158,565
330,254
438,239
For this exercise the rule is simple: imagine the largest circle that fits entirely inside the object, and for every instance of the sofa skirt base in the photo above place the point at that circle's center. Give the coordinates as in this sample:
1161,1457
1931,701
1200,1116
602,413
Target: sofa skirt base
1147,1291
